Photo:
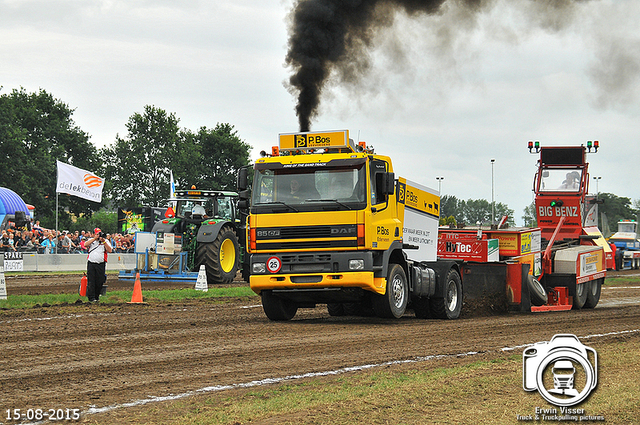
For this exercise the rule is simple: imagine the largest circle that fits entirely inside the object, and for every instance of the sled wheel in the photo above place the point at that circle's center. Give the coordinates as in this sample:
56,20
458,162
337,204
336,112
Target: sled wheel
537,294
593,296
582,291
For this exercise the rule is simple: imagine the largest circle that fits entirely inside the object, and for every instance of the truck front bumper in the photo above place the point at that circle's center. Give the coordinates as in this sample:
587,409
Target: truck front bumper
328,281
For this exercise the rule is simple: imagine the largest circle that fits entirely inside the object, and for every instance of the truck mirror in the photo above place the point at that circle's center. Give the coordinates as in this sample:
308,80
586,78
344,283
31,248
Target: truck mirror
244,194
389,183
243,180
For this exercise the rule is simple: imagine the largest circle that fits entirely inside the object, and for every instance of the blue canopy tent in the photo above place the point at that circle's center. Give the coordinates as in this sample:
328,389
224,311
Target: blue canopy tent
10,202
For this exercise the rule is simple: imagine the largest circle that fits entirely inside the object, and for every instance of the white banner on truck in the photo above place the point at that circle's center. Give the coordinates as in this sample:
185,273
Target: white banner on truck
421,221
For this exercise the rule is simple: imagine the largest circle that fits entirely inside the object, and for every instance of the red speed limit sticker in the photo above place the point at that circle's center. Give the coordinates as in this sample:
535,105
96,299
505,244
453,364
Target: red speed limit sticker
274,264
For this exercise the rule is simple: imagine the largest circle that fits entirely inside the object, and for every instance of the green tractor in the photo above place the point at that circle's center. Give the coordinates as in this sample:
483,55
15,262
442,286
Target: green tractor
212,231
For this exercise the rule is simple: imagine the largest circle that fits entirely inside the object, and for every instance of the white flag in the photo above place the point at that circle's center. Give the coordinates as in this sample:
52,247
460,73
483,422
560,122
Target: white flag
78,182
172,189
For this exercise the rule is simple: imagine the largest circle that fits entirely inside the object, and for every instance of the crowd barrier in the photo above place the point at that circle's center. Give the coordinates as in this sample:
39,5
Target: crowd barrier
32,262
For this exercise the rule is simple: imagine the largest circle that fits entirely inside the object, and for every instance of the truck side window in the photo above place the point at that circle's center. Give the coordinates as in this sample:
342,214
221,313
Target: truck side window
376,167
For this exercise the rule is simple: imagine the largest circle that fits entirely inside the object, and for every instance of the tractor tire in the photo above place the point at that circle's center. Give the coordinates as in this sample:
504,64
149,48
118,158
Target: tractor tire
582,292
277,309
220,257
394,302
537,293
593,296
450,306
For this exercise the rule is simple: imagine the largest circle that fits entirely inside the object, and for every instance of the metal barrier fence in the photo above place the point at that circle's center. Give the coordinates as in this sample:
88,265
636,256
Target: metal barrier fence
33,262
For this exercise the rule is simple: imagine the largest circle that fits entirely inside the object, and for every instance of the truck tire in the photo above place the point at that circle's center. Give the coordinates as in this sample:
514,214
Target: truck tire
537,294
421,307
450,306
593,296
277,309
220,257
394,302
582,291
335,309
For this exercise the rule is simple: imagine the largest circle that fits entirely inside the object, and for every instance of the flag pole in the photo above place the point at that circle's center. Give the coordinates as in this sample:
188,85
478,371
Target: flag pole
56,235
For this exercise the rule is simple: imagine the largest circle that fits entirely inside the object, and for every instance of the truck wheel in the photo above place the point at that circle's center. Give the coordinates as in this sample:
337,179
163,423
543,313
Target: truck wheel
537,294
421,307
582,291
593,296
394,302
220,257
276,308
335,309
449,307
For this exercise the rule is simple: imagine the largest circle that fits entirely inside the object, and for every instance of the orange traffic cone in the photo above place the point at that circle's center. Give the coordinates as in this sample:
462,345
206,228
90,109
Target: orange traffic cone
136,297
83,286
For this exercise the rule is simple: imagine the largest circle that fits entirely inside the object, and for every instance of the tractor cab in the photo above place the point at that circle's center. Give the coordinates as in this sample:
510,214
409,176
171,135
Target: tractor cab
561,184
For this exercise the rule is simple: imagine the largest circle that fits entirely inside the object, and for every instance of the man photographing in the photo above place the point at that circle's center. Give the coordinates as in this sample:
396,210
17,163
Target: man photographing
98,247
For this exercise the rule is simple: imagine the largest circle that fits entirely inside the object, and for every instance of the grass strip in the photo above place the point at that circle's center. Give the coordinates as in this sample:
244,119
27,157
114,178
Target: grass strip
119,297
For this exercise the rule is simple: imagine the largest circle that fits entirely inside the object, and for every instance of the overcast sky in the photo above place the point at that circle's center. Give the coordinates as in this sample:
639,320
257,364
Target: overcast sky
445,93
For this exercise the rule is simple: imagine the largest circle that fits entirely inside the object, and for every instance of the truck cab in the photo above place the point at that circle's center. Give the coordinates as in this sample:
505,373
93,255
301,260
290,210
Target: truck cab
326,225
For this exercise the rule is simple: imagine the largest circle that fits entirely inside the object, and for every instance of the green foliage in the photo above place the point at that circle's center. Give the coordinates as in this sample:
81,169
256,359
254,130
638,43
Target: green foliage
139,166
530,217
36,130
107,221
616,208
222,153
448,221
473,211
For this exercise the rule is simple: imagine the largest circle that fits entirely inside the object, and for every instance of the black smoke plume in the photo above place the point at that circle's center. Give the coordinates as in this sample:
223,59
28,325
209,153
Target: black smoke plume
332,38
333,35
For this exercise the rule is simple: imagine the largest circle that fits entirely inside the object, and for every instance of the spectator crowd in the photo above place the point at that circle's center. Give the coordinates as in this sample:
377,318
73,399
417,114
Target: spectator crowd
47,241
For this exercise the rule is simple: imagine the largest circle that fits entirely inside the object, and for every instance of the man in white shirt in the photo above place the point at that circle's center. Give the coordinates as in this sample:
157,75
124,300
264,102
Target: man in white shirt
98,247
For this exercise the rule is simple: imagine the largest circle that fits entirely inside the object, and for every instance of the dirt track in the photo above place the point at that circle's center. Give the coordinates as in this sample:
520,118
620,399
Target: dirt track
79,356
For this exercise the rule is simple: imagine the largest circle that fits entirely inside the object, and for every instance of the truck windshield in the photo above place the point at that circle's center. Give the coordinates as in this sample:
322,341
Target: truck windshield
311,188
560,180
627,227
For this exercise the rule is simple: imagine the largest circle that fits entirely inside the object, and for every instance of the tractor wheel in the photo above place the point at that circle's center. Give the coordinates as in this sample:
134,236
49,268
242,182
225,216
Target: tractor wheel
394,302
593,296
277,309
582,291
220,257
449,307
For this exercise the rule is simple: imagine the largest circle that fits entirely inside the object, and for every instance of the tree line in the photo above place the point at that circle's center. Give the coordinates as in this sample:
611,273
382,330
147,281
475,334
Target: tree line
472,211
37,129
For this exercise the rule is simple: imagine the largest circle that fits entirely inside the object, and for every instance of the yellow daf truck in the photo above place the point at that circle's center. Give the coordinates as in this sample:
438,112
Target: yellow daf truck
331,224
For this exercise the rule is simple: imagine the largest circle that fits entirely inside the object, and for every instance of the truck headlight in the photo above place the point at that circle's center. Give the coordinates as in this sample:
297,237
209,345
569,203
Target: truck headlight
259,268
356,264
